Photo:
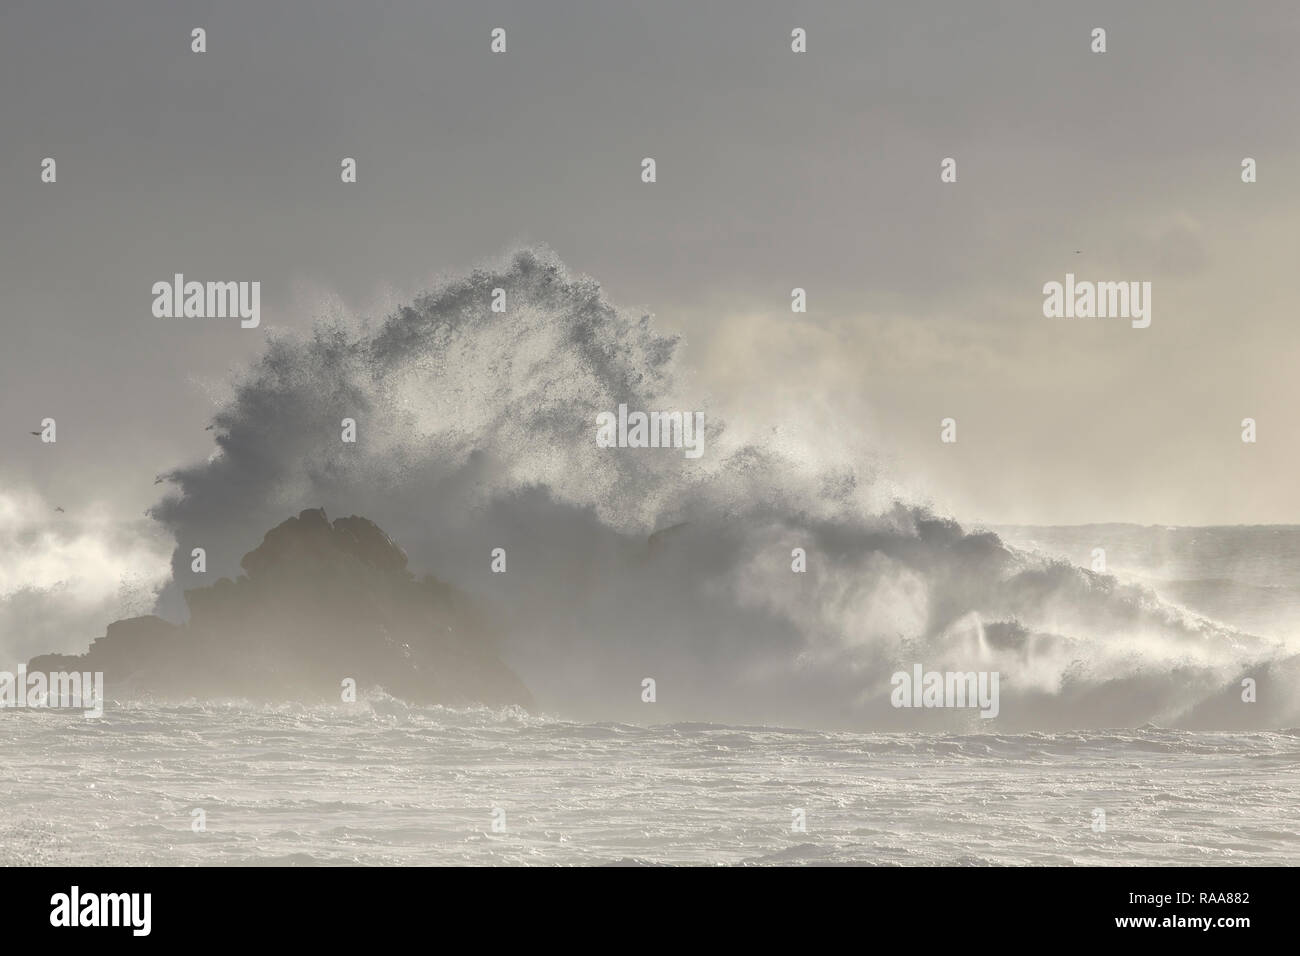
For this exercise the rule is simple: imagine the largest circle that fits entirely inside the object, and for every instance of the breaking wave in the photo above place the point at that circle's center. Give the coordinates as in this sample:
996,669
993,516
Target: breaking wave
476,430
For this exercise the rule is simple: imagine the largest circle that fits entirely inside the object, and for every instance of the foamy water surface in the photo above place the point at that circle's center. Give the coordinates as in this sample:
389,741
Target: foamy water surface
384,783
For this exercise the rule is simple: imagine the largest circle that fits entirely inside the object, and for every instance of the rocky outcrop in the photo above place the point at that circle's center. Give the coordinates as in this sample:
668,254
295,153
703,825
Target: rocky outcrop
318,602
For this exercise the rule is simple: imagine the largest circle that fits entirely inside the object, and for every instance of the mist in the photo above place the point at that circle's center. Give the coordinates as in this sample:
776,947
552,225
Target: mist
476,431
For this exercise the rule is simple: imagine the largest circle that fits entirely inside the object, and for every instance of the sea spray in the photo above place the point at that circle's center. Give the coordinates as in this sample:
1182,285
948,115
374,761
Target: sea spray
475,433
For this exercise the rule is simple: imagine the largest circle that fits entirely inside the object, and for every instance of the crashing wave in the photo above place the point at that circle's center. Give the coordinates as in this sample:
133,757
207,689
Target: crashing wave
476,431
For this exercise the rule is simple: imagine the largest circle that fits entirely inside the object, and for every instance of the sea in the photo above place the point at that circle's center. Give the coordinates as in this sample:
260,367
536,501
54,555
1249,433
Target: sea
381,782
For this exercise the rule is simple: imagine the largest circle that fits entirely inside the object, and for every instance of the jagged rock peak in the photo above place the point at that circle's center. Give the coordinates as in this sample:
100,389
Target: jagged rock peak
312,532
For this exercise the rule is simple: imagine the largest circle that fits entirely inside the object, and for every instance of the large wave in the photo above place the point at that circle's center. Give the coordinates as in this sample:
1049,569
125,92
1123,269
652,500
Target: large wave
476,430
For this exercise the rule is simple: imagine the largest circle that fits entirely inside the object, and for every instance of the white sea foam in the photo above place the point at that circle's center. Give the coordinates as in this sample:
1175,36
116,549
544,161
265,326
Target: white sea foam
387,783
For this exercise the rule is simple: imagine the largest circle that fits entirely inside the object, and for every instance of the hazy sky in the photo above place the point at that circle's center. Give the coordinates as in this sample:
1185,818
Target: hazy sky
775,170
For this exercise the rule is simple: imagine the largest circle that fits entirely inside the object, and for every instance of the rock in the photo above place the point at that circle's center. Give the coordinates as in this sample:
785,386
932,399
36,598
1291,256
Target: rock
318,602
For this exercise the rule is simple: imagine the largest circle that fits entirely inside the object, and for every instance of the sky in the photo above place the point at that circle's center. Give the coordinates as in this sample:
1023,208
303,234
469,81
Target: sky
775,170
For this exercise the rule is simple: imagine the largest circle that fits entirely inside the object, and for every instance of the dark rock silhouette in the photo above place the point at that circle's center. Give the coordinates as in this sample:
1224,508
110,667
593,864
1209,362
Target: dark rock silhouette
319,602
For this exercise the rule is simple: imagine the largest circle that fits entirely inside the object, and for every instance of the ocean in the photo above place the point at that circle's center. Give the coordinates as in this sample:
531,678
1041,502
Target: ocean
384,783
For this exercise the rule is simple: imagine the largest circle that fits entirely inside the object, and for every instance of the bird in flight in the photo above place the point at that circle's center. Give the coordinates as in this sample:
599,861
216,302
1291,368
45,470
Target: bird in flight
59,509
37,434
